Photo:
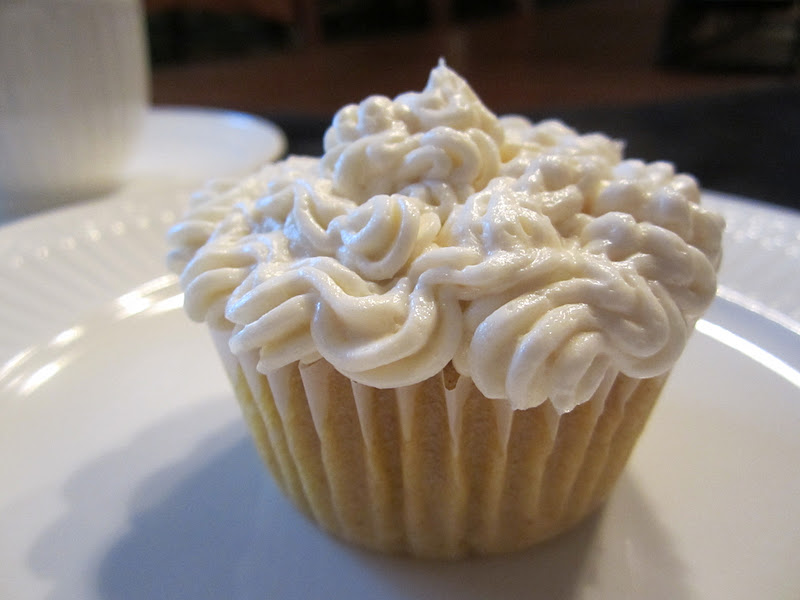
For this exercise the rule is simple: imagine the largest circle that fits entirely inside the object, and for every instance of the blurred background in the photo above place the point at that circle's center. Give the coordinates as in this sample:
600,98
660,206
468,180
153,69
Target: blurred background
710,84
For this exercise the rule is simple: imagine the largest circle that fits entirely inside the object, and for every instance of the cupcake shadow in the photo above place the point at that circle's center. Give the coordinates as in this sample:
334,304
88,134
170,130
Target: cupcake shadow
211,524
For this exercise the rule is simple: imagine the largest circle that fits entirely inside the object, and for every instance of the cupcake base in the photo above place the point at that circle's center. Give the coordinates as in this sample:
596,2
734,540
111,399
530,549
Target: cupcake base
436,469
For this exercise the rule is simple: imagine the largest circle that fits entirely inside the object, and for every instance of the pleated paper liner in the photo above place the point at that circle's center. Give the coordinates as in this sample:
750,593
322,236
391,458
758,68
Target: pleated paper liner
436,469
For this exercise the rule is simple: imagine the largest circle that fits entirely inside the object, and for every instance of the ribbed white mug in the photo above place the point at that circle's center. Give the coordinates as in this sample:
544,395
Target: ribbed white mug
74,90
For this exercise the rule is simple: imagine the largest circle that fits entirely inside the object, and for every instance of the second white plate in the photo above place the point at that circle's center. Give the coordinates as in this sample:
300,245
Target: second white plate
57,266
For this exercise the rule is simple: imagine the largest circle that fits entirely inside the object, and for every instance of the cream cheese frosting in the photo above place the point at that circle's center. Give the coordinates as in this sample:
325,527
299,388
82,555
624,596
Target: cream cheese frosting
534,259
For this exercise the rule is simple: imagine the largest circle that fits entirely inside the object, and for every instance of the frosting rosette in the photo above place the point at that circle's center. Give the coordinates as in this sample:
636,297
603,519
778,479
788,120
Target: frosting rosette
534,259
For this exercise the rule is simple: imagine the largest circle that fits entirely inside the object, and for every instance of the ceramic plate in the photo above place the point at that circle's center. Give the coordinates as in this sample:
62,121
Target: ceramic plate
56,266
127,472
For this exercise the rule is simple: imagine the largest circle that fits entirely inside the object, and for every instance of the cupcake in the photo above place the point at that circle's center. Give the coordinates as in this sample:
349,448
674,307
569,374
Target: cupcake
447,333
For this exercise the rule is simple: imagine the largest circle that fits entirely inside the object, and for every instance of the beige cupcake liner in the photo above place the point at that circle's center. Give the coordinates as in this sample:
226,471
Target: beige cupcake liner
436,469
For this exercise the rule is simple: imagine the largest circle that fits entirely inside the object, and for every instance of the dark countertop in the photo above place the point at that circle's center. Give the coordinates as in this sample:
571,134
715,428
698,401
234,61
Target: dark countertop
746,143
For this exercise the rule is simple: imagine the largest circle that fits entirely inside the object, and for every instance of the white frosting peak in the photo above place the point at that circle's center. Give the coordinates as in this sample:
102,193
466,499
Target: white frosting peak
536,259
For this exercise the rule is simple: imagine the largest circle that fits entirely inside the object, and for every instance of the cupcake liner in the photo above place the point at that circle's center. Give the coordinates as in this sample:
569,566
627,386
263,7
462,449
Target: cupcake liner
435,469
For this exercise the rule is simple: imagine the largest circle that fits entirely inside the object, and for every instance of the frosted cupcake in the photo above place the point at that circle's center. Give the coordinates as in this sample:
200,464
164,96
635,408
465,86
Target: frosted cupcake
447,333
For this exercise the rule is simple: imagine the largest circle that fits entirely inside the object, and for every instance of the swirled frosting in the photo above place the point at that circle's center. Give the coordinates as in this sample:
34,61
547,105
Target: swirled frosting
535,259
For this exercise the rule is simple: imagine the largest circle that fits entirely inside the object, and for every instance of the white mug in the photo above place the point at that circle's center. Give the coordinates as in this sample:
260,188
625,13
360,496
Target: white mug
74,90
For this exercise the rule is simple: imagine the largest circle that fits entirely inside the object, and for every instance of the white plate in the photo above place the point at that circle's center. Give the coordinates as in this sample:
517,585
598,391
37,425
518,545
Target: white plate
127,472
56,266
178,149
